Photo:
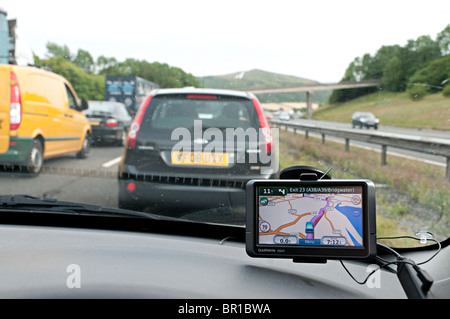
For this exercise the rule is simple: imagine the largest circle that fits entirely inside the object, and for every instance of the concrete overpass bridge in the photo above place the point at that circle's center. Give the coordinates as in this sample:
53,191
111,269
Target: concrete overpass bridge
309,89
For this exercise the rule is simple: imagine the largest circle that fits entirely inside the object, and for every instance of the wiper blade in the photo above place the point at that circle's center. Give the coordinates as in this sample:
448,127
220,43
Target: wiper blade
52,205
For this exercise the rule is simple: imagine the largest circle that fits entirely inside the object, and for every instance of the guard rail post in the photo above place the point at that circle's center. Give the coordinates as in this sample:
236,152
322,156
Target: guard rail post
447,172
383,155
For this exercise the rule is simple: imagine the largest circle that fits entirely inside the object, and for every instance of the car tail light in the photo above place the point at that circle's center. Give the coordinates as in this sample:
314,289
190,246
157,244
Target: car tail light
136,124
265,128
131,187
111,123
15,111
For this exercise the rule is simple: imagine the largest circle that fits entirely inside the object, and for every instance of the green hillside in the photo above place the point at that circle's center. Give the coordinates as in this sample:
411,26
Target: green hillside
254,79
259,79
393,109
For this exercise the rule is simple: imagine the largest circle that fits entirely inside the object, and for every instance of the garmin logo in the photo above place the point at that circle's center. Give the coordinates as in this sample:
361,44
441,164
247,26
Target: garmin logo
266,250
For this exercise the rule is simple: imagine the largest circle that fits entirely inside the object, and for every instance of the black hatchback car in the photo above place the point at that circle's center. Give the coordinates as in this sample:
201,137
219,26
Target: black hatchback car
195,149
110,121
364,119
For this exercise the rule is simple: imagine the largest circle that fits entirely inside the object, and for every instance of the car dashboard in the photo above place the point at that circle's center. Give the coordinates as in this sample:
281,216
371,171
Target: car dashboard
65,259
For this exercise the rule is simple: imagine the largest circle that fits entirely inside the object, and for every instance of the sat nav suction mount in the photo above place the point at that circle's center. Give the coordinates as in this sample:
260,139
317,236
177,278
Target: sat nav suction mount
309,217
304,173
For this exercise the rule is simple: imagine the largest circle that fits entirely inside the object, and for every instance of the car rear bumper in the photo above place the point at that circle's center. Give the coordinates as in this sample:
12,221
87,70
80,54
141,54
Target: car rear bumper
107,133
175,200
183,191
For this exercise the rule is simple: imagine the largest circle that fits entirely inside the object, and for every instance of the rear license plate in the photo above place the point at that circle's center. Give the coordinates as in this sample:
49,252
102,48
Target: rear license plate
94,123
200,158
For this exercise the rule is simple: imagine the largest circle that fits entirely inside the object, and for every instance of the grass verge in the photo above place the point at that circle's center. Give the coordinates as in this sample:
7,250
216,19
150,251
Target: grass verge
432,112
410,195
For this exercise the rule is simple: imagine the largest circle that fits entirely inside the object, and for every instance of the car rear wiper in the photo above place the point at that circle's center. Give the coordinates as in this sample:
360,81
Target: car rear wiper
52,205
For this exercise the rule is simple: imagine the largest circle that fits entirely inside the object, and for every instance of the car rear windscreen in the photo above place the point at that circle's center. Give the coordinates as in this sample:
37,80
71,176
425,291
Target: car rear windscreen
173,111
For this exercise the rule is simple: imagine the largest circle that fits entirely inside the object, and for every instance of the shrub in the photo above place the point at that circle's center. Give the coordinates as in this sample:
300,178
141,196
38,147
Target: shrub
434,74
418,91
446,90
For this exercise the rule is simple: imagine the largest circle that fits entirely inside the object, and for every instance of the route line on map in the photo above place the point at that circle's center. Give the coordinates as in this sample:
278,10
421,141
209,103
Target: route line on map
278,230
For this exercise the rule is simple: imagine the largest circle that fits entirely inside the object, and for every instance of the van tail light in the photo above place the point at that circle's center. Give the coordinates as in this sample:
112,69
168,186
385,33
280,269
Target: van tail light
265,128
111,123
15,110
136,124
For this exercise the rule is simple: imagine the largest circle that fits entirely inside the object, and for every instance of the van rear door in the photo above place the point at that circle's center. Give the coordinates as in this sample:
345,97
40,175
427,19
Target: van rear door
5,92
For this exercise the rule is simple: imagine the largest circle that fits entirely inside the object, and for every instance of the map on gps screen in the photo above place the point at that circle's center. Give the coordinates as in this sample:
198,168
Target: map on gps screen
310,216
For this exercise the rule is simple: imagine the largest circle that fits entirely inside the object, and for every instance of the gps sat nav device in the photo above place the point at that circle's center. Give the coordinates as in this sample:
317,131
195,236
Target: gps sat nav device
310,219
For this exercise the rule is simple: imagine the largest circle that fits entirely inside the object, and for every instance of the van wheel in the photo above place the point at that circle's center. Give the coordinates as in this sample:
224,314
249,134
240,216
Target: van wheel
35,158
86,147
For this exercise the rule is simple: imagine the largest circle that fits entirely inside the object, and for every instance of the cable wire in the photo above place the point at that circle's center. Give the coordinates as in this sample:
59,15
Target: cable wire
418,239
399,258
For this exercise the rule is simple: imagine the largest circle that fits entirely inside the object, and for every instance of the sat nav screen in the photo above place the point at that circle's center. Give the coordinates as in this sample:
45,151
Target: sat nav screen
311,216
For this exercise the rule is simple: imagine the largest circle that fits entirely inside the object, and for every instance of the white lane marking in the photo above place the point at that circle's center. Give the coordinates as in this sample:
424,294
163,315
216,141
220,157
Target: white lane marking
112,162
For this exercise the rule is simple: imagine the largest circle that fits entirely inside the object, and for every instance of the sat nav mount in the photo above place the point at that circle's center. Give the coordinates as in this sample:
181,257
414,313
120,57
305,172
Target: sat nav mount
309,217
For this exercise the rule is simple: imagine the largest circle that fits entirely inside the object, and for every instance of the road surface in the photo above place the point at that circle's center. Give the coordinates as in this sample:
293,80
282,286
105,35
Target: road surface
92,180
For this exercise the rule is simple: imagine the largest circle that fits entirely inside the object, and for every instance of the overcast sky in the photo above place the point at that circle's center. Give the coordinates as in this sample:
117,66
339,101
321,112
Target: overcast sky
311,39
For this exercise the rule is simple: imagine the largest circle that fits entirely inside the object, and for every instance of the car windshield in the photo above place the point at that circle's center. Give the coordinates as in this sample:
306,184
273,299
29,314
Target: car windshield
205,96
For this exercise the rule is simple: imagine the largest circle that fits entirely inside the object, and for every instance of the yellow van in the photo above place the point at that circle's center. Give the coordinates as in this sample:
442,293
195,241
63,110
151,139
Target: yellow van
40,117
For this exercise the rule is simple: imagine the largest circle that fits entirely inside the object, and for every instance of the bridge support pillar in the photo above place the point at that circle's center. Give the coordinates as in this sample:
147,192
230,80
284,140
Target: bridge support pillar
309,97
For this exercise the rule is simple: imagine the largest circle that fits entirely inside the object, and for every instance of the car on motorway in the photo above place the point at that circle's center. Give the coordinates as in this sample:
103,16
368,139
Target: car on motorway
285,116
110,122
43,118
179,157
269,115
364,119
164,217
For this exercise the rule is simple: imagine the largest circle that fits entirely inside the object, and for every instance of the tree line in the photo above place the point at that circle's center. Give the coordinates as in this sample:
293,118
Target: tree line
420,67
87,75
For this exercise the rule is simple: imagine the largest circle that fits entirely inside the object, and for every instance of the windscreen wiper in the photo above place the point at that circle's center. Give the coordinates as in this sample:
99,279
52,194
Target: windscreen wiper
52,205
